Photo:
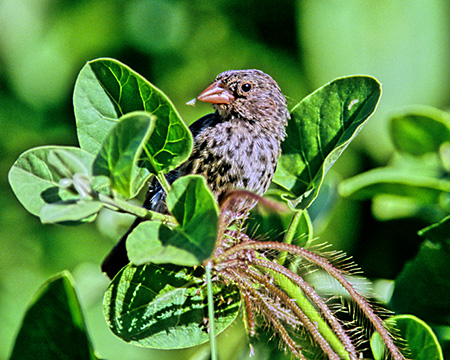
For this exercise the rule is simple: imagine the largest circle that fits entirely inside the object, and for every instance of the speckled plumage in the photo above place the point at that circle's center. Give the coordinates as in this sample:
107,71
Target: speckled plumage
237,147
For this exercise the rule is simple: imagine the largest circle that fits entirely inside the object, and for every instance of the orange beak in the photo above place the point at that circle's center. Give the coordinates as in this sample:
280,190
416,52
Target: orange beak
216,94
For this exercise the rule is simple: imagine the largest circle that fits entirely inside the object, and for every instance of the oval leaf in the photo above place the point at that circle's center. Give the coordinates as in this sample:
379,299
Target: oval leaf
53,327
421,341
107,89
321,127
70,212
120,152
420,130
192,241
165,307
153,242
35,175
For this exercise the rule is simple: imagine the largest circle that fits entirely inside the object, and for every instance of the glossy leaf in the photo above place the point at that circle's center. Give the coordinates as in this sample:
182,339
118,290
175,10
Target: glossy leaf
35,175
420,130
121,149
107,89
189,243
321,127
165,307
421,341
53,327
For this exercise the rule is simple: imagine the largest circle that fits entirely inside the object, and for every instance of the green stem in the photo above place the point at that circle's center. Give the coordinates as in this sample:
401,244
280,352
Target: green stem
138,211
212,327
163,181
334,335
289,236
159,175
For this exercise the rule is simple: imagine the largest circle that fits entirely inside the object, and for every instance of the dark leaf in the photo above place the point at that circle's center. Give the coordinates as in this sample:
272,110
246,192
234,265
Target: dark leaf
53,327
165,307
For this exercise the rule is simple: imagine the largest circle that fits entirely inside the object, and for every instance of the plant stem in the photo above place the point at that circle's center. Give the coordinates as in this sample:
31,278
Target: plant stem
163,181
359,299
299,311
265,308
337,337
289,236
212,327
138,211
159,175
363,304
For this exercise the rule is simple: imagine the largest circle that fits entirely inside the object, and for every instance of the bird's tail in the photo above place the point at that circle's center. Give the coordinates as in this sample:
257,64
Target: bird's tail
117,258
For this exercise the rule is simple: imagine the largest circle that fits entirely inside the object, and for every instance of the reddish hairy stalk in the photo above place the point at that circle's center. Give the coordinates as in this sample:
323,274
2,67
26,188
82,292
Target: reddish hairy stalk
310,327
246,287
334,272
248,314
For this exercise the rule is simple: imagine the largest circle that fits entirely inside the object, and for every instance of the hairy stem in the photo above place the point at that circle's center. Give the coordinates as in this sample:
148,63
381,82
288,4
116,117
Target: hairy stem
248,315
307,323
334,272
362,303
247,287
336,326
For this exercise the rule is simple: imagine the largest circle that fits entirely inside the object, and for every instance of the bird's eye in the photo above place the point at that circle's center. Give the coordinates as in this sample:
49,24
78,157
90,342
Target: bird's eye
246,87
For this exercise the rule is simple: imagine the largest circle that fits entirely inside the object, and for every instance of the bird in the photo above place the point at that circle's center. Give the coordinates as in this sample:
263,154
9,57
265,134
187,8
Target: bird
235,147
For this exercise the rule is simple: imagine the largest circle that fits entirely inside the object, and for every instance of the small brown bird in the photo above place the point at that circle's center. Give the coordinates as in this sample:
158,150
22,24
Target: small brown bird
236,147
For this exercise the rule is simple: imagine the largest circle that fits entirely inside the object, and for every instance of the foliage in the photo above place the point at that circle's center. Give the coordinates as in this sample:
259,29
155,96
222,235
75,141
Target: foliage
53,326
416,184
128,130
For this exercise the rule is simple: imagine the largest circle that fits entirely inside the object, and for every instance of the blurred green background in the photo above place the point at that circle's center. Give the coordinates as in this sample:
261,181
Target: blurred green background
180,46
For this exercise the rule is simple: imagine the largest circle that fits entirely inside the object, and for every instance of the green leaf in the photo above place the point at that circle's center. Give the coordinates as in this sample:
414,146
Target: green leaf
53,326
421,341
70,212
321,127
164,307
192,241
420,130
423,286
68,163
107,89
121,150
35,175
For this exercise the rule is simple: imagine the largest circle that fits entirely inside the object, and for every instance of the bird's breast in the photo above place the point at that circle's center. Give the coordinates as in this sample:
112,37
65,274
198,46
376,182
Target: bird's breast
235,157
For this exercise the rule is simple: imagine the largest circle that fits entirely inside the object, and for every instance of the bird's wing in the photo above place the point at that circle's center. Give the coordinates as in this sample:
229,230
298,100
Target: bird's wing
205,121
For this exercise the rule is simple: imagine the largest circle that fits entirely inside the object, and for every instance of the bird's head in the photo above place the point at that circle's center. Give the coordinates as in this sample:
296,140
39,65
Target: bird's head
250,95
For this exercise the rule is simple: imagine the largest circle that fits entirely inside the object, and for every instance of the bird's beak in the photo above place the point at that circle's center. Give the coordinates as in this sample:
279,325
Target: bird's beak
216,94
